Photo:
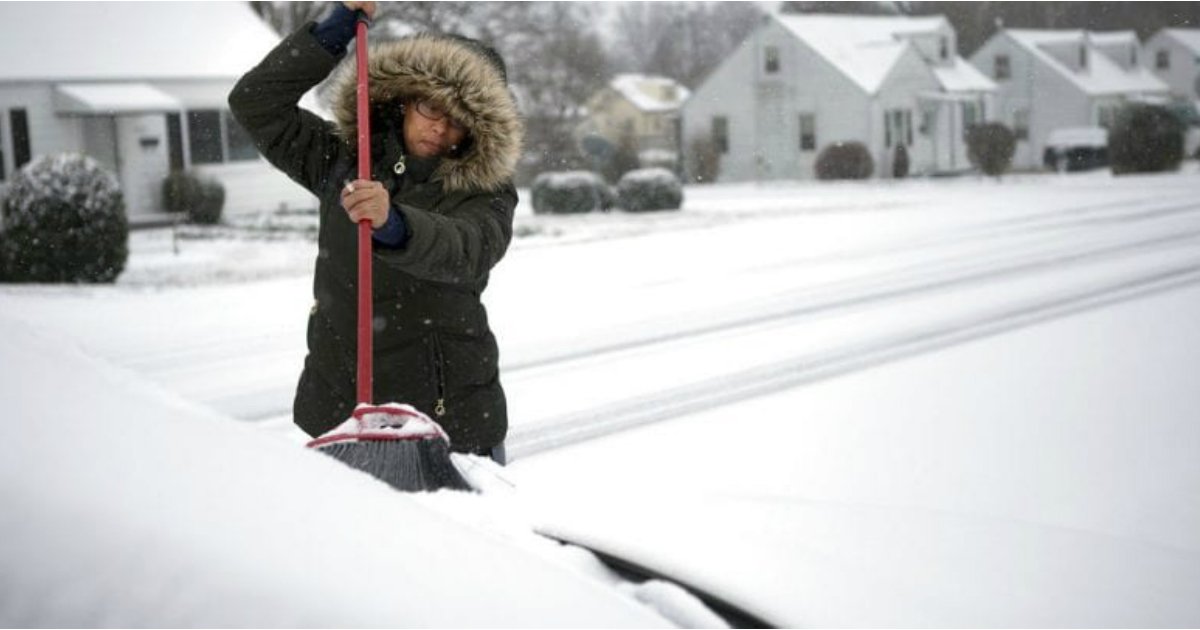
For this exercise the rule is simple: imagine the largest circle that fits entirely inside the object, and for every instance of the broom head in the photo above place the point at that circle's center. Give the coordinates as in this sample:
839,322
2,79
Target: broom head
396,444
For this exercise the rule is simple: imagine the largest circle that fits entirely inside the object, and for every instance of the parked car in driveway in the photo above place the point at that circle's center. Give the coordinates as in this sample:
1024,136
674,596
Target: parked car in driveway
1076,149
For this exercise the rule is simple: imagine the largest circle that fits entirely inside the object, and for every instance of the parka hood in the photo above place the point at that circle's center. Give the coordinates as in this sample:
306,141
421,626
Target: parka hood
456,76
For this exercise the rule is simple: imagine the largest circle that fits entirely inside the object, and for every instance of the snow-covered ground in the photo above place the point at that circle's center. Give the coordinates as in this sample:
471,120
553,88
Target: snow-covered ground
960,402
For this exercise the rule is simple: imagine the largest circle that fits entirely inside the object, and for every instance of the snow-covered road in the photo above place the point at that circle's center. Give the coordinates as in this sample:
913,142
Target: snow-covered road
608,321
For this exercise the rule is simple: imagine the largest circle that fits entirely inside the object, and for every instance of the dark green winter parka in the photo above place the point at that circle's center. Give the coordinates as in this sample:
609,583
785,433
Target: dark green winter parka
432,347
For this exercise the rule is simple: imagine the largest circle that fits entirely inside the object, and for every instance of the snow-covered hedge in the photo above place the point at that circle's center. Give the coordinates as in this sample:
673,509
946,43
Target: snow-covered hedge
649,189
845,160
202,199
565,192
64,221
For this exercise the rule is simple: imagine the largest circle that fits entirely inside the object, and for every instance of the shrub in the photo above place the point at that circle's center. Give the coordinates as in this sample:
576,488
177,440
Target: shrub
1145,139
990,147
649,189
570,192
845,160
64,221
202,199
900,162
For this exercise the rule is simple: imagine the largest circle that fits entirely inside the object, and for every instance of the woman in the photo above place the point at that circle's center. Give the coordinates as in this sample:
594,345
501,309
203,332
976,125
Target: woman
445,138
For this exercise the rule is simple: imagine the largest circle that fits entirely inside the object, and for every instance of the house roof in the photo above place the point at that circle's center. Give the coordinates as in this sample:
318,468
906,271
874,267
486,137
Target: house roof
865,48
1102,75
108,41
1189,37
961,76
650,93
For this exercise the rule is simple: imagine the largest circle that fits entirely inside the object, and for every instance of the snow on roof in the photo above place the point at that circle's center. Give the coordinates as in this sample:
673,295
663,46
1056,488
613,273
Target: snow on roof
92,98
865,48
962,77
1189,37
1102,75
651,93
81,41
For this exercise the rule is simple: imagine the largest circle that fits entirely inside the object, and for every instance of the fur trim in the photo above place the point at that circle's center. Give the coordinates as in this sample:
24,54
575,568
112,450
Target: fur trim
465,84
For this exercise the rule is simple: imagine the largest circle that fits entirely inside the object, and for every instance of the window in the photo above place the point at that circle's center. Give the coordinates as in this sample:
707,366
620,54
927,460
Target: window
214,137
1106,115
771,56
970,115
1133,56
897,127
1001,67
928,116
204,136
1021,124
18,121
241,146
944,48
1083,57
720,133
1162,60
808,132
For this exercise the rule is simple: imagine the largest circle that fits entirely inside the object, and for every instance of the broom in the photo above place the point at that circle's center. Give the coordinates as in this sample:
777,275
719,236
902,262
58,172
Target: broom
394,443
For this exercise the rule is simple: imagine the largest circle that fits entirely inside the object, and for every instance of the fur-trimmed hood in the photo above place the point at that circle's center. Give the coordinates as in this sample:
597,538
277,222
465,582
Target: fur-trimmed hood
457,77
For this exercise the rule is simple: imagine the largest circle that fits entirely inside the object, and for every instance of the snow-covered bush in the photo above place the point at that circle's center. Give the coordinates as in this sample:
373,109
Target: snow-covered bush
649,189
568,192
990,147
64,221
845,160
202,199
1145,139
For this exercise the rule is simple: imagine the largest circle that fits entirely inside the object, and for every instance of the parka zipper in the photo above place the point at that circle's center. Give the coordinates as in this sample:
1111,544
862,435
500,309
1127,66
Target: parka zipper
439,408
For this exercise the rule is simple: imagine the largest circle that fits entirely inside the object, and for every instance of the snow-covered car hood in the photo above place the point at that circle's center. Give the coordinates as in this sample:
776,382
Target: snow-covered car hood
126,506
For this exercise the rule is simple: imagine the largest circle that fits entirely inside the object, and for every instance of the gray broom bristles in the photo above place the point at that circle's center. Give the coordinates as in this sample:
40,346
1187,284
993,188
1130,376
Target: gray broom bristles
406,465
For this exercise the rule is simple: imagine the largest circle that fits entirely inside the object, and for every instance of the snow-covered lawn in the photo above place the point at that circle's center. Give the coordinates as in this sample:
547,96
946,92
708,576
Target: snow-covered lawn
960,402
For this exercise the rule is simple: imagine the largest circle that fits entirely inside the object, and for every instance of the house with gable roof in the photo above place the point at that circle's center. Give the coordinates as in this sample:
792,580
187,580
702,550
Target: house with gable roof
142,88
638,107
1173,55
1054,81
800,83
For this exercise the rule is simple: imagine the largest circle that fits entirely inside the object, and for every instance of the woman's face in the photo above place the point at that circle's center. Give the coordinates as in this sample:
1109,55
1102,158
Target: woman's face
429,131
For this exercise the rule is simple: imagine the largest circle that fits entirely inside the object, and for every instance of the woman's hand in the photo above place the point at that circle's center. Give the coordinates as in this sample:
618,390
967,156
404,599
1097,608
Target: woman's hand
365,199
367,7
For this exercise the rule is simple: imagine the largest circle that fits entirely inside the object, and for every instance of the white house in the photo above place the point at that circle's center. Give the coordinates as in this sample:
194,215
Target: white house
1173,55
141,87
1050,80
799,83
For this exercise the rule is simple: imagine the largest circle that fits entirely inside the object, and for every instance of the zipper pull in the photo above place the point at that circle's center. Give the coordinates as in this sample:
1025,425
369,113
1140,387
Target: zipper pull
400,167
439,409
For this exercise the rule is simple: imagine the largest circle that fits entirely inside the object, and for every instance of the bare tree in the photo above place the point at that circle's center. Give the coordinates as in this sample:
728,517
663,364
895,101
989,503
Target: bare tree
286,17
684,41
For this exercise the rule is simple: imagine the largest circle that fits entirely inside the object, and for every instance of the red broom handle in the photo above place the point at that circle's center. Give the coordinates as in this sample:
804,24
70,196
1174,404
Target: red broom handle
365,314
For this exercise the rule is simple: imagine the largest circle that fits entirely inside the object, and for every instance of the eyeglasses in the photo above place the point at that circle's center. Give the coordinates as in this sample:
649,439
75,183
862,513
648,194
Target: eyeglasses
433,112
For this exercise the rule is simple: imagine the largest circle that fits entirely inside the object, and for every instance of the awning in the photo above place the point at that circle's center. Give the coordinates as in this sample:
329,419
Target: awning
107,99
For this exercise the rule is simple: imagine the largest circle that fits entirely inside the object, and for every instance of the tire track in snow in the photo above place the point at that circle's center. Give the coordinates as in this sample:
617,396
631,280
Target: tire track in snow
883,288
779,376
